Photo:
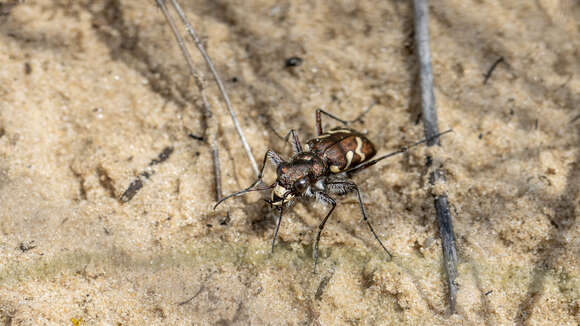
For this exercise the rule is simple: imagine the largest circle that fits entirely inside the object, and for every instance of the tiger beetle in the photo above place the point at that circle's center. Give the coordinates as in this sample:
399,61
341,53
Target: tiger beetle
321,168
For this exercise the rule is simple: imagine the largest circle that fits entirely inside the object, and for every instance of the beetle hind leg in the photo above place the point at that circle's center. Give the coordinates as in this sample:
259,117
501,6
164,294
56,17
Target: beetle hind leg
319,113
342,187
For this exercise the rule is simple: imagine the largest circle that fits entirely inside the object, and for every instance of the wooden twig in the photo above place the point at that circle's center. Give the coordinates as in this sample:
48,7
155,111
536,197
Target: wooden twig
217,172
192,297
429,114
211,124
219,83
137,183
491,69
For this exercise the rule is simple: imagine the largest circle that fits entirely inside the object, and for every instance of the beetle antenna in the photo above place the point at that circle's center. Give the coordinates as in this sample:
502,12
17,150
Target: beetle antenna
402,150
241,192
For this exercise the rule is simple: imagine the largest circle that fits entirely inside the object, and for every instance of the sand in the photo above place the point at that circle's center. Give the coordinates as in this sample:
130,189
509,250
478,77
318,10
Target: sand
92,93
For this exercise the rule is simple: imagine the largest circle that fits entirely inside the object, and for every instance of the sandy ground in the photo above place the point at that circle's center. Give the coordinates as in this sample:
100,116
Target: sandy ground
92,92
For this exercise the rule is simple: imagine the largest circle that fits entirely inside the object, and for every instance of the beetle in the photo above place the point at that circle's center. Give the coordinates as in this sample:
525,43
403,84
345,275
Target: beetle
323,167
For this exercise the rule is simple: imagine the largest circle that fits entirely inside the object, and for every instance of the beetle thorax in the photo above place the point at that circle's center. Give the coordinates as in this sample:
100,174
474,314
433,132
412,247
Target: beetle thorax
302,165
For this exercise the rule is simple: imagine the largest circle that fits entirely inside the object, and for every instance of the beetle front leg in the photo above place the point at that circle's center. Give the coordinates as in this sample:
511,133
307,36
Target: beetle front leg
275,159
323,196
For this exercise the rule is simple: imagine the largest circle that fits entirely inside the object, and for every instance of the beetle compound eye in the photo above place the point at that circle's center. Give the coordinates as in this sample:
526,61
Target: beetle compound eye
281,169
301,185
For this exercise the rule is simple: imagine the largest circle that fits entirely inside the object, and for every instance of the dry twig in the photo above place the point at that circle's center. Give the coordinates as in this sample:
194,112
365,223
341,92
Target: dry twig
491,69
211,124
219,83
429,113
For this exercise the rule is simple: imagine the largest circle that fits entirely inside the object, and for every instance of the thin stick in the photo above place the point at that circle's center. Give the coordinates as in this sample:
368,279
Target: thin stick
429,111
491,69
219,83
211,124
217,172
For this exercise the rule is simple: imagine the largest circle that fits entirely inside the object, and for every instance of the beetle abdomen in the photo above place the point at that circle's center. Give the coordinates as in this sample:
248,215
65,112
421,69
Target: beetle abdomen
342,148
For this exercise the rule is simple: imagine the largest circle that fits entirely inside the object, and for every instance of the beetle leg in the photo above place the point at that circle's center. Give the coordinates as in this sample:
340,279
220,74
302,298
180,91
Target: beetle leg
326,198
296,146
275,159
345,186
319,120
345,122
279,221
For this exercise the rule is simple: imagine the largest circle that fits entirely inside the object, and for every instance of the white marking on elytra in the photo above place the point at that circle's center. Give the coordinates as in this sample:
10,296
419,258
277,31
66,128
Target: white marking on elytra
334,169
330,132
349,156
358,150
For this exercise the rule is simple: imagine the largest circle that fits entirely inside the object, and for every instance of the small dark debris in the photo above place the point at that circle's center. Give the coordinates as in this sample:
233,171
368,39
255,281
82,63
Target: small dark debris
196,153
26,245
235,80
137,184
488,292
293,62
491,69
418,119
106,181
545,180
480,136
27,68
193,297
160,312
551,171
6,7
512,112
226,219
209,225
321,287
163,156
428,161
134,187
200,138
